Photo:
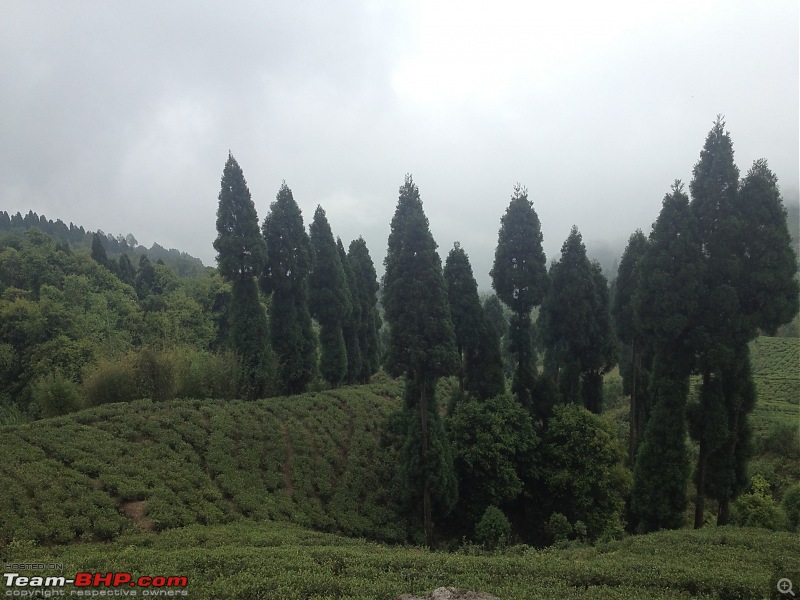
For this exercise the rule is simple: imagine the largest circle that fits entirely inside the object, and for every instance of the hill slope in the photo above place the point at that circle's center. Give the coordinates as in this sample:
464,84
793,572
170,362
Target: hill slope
283,561
313,459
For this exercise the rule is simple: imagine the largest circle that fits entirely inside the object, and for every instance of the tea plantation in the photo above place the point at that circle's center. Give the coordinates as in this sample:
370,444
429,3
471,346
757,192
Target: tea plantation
254,500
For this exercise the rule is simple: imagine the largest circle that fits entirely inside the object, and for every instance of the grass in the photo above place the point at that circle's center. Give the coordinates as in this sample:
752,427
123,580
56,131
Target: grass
283,561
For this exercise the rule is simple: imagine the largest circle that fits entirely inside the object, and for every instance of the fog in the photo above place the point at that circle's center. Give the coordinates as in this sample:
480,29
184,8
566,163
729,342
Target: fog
119,116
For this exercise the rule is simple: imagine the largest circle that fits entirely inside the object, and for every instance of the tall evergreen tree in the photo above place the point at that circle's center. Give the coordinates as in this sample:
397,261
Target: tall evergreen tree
519,276
421,347
241,251
328,299
352,317
635,371
125,269
99,254
285,276
754,268
248,335
466,312
576,323
366,281
666,305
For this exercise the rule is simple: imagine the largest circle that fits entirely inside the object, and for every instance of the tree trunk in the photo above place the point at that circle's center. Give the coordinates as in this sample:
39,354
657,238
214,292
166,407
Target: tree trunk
724,514
427,516
634,432
700,500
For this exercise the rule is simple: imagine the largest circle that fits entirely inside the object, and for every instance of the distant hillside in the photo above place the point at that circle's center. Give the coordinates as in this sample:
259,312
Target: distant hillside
314,460
182,263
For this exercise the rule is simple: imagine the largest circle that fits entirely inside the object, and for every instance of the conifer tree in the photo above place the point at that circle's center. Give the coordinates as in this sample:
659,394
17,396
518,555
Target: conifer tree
576,324
366,284
241,253
126,270
352,318
519,277
466,312
666,305
635,371
421,347
285,276
328,299
99,252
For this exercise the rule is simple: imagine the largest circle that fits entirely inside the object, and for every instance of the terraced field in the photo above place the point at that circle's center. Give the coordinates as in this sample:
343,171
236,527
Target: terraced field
776,369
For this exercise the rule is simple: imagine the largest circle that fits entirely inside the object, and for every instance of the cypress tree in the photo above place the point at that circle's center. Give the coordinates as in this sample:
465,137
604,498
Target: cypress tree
241,253
635,371
366,283
576,324
285,276
421,347
352,317
666,305
519,277
99,252
126,270
466,312
328,299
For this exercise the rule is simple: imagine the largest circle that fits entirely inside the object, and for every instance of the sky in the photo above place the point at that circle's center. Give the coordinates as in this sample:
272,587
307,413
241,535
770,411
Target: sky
119,115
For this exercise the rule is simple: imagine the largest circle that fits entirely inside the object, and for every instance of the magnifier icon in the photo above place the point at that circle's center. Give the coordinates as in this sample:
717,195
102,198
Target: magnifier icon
785,586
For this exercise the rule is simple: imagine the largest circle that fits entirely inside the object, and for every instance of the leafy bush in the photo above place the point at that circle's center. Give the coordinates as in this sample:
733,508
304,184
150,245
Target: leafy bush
757,509
155,374
493,530
110,381
558,528
791,506
55,394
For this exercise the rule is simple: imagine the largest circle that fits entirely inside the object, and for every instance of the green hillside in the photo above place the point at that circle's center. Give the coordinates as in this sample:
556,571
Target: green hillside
776,370
313,459
281,561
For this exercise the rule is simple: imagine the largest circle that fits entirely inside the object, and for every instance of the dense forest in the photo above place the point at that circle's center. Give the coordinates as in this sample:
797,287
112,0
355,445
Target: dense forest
500,435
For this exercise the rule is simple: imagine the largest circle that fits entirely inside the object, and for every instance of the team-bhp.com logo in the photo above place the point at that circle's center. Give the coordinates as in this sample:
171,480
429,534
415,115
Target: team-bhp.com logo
94,585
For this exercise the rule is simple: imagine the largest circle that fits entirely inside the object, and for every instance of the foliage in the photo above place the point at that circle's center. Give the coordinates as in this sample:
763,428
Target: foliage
241,251
493,530
271,559
422,347
791,507
366,297
493,444
757,509
576,325
285,277
581,470
55,394
328,299
314,459
520,279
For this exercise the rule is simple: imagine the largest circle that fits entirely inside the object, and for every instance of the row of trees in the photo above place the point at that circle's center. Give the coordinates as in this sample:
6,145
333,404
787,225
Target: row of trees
302,277
714,272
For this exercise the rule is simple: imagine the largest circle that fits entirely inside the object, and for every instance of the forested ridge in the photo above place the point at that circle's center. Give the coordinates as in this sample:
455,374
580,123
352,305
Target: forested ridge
502,434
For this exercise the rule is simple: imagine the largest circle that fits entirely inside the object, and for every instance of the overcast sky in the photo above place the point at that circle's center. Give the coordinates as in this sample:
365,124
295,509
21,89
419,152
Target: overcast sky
119,115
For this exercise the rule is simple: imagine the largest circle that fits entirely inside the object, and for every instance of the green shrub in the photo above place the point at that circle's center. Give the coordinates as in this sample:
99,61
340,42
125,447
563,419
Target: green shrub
558,528
757,509
493,530
110,381
155,374
791,506
55,394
